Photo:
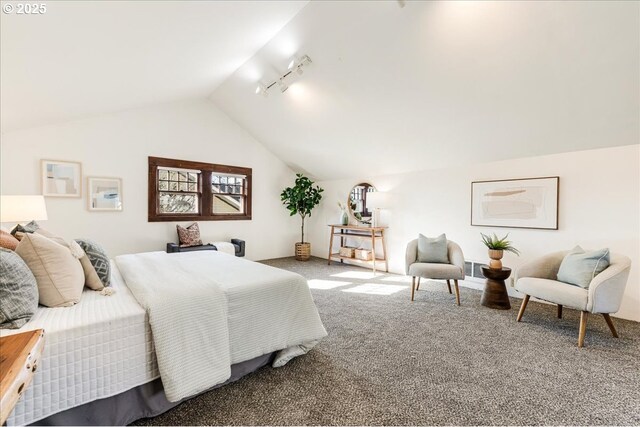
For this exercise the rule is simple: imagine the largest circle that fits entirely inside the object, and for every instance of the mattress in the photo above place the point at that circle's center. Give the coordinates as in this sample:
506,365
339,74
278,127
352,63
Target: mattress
98,348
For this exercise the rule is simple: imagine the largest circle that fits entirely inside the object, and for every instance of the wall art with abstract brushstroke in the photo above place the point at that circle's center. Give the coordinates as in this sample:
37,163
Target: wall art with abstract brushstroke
516,203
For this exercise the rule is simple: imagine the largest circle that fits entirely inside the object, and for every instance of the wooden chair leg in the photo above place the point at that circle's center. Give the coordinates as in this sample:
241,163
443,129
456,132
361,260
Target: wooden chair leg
559,311
418,284
610,323
413,286
455,284
523,306
583,328
449,285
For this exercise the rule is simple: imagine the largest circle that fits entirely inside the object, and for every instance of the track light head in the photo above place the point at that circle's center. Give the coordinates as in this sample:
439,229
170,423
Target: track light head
262,90
305,60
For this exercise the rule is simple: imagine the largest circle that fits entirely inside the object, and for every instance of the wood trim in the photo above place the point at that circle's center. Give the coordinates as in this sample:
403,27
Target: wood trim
188,164
205,197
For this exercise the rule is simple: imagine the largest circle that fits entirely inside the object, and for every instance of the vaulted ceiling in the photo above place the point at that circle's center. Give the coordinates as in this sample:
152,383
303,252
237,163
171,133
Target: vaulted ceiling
83,58
390,89
438,84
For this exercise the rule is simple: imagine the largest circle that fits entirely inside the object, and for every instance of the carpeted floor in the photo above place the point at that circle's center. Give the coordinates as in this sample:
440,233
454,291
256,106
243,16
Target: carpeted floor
388,361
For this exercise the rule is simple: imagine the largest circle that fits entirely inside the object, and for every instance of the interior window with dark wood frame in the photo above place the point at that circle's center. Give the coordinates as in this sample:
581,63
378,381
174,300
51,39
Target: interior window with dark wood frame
181,190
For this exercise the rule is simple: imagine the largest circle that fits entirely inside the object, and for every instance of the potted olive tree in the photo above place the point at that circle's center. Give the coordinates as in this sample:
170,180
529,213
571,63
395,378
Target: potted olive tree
301,199
496,247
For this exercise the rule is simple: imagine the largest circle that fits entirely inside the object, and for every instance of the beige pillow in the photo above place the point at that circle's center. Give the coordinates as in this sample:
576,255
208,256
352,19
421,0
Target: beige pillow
91,278
58,273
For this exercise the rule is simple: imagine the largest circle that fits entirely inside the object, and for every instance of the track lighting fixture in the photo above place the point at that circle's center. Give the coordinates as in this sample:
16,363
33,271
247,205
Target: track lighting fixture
296,65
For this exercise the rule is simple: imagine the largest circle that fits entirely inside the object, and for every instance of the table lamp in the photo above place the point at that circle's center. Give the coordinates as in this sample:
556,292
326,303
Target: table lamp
22,208
377,200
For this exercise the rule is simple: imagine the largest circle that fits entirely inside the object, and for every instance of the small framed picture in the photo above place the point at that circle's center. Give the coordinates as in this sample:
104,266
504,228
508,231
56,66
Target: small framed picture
61,178
105,194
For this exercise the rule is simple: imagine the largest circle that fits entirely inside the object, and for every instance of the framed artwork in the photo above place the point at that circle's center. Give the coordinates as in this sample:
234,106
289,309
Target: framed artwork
104,194
516,203
61,178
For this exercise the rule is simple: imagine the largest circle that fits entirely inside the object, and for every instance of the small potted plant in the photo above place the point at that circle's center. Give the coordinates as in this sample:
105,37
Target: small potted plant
301,199
497,246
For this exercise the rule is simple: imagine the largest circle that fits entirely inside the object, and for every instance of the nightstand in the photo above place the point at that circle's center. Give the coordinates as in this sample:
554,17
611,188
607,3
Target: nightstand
19,358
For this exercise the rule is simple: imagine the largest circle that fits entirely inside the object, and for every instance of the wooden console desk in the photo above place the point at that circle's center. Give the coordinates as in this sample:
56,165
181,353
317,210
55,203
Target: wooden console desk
372,234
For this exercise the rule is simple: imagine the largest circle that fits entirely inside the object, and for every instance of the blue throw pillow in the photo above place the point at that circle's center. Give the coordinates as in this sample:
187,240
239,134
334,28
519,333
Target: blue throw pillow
579,267
433,250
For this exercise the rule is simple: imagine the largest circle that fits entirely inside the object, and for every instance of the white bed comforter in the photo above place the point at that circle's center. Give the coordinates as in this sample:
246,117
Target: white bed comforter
208,310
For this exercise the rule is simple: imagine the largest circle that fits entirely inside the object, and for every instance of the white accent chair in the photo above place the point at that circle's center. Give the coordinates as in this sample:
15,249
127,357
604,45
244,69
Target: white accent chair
538,278
452,271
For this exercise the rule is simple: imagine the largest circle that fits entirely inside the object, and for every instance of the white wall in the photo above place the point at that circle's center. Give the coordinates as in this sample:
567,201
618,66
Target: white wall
599,206
118,145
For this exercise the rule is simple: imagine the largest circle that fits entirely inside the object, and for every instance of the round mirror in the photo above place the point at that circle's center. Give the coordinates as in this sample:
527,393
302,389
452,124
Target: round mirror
358,202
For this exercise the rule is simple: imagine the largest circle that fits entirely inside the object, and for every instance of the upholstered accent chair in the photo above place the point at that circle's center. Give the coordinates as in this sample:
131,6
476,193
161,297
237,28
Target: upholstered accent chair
454,270
538,278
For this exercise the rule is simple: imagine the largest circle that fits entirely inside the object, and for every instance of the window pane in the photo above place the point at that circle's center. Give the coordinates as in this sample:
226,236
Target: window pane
228,204
227,184
163,185
173,175
184,186
182,176
193,177
178,203
173,186
193,187
164,174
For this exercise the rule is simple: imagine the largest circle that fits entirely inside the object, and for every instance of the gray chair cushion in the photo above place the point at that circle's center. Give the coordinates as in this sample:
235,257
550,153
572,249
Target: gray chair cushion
18,291
436,271
554,291
433,250
580,267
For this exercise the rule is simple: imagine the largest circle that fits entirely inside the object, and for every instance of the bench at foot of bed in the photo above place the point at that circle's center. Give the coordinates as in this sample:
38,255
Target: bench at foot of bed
238,245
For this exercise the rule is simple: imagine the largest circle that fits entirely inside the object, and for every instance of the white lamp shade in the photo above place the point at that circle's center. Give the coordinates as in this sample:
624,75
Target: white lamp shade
377,200
22,208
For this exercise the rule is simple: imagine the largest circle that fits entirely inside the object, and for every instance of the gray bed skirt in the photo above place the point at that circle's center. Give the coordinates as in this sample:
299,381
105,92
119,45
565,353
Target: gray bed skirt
147,400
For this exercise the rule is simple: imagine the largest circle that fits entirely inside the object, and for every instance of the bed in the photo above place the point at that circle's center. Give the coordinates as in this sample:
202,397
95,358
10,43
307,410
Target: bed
101,353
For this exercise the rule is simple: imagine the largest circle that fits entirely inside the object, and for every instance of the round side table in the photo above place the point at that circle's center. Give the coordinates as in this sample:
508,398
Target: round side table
495,291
